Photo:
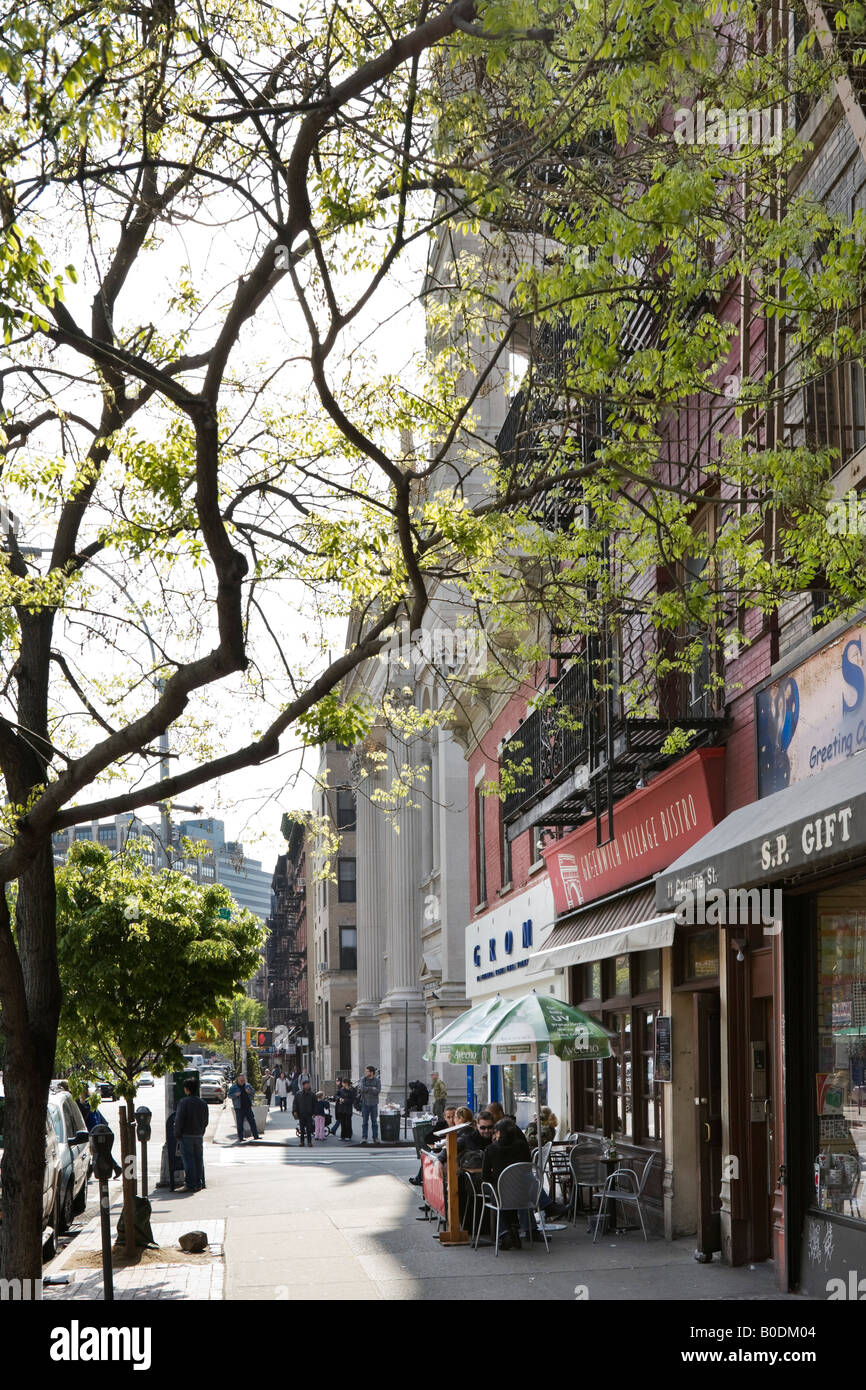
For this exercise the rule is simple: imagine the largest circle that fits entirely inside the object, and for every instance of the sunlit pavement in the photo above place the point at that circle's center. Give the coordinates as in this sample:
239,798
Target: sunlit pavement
340,1222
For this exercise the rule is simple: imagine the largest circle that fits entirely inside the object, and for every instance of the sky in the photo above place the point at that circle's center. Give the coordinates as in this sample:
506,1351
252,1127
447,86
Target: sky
251,802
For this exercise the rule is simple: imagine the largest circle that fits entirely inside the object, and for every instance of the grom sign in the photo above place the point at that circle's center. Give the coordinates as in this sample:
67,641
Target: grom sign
652,827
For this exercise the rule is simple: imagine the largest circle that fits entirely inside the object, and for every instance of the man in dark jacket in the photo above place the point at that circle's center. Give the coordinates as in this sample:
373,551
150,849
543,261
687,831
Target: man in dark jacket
190,1123
369,1087
304,1111
345,1102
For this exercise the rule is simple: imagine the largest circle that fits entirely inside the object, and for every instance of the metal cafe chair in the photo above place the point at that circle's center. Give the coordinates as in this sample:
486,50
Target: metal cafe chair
560,1172
624,1188
586,1184
519,1189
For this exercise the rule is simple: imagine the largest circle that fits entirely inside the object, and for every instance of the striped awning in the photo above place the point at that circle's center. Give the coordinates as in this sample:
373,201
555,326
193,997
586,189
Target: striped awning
626,922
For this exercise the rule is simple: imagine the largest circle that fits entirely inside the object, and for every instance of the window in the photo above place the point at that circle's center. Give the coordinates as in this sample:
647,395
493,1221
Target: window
840,1051
620,1095
82,832
348,948
480,849
504,851
536,841
346,890
345,809
107,834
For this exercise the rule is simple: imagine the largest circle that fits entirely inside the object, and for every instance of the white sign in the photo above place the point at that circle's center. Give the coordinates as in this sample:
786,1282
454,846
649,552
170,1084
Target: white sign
281,1037
499,943
302,1042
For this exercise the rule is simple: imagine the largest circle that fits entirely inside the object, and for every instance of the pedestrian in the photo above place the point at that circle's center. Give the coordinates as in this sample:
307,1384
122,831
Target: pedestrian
241,1097
336,1125
268,1087
345,1100
282,1091
440,1095
190,1123
304,1110
418,1096
370,1086
322,1114
93,1117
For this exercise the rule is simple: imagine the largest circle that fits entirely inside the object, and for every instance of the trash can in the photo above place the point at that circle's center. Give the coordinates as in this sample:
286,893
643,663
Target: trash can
389,1126
421,1131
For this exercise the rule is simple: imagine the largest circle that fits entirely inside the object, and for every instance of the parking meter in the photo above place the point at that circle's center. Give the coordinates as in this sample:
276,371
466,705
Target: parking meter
101,1140
142,1122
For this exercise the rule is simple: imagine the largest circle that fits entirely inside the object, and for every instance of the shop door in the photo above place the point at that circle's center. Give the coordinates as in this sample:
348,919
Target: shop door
762,1129
708,1108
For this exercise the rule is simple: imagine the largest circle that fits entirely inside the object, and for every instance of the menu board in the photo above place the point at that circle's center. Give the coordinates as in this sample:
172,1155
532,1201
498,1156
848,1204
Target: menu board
662,1070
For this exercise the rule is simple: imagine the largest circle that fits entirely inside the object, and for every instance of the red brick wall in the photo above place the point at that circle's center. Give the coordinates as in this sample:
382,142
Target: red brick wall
487,756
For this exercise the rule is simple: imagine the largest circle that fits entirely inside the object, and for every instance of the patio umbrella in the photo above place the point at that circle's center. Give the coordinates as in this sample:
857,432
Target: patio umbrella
523,1031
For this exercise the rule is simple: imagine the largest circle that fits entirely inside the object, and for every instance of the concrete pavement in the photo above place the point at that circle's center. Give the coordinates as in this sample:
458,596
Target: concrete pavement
339,1223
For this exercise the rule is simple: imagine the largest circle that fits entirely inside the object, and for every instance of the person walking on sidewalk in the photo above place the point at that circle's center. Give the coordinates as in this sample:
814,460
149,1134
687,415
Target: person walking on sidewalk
281,1091
345,1101
304,1109
241,1097
370,1086
190,1123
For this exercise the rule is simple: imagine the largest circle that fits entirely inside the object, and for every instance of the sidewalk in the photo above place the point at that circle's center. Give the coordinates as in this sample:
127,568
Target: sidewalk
340,1222
166,1273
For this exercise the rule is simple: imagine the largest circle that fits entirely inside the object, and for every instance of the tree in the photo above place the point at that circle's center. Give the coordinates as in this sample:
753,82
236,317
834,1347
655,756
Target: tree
188,456
144,958
244,1012
254,1072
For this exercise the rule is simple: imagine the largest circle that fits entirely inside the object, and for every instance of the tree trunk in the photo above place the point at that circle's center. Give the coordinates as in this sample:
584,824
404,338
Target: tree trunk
29,1009
127,1150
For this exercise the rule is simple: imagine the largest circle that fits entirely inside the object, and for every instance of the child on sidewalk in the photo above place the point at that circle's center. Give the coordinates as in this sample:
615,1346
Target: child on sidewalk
322,1115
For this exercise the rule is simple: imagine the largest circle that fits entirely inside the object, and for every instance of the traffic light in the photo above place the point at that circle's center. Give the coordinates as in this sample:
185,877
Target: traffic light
262,1039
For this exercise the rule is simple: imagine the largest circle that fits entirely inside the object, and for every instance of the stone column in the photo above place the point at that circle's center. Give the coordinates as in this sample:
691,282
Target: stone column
402,1007
451,798
372,897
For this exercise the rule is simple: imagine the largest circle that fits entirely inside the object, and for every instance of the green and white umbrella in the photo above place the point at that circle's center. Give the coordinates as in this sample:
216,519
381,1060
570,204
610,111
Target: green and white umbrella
501,1031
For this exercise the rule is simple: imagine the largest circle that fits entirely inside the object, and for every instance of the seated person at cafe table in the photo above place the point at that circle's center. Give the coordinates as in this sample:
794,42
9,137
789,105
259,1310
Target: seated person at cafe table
472,1142
445,1123
509,1147
549,1123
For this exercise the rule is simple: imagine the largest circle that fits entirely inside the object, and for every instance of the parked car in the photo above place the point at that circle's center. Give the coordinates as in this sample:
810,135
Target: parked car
50,1178
74,1147
212,1086
105,1089
145,1079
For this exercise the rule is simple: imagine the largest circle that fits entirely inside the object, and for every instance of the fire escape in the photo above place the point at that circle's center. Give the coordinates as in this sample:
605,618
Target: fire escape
588,743
286,953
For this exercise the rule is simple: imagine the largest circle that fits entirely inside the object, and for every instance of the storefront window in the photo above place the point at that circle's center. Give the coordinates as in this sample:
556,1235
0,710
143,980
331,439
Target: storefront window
702,954
621,1096
649,972
840,1176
